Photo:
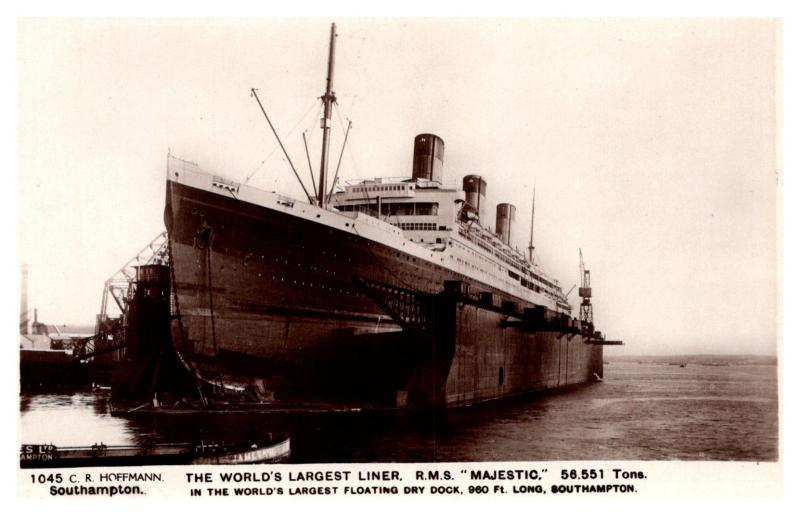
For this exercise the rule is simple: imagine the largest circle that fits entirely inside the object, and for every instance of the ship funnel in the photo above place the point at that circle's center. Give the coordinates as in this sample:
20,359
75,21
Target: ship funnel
475,190
428,158
505,220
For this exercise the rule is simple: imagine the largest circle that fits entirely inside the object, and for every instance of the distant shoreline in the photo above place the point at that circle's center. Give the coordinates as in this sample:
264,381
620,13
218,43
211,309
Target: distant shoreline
699,359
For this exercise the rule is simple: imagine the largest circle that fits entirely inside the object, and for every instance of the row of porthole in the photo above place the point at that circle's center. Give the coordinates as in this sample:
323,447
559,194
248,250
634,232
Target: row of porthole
200,262
334,272
311,285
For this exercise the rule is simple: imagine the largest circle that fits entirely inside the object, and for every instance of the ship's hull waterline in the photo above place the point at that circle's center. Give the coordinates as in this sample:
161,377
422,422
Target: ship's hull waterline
275,301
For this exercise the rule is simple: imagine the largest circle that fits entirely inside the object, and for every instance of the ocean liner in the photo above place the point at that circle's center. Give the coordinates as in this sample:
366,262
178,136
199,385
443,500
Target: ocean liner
388,292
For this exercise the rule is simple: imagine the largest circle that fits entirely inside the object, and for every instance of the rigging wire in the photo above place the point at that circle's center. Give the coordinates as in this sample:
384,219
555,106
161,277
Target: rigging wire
349,146
285,152
276,147
312,125
310,168
339,116
339,163
305,144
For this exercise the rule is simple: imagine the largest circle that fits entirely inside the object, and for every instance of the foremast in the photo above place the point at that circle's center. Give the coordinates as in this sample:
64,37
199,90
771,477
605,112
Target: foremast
327,102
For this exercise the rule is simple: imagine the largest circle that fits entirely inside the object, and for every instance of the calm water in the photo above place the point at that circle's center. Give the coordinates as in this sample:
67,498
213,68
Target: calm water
640,412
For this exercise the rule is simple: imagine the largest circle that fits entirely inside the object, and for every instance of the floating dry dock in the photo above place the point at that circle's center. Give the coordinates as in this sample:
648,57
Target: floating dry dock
454,348
387,292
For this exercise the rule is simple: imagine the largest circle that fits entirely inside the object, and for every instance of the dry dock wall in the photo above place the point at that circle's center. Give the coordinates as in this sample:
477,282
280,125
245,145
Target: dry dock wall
474,357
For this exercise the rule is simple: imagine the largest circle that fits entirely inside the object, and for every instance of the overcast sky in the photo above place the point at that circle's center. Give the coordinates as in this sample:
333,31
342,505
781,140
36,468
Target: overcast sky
652,144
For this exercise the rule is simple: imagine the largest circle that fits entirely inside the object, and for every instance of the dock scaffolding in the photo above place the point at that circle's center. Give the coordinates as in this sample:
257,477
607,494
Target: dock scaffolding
154,253
109,331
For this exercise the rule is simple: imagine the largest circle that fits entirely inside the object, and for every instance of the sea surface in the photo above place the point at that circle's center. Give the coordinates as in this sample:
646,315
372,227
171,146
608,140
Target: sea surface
641,411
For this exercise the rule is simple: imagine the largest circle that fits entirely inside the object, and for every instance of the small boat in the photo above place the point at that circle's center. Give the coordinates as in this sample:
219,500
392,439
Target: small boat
273,449
221,455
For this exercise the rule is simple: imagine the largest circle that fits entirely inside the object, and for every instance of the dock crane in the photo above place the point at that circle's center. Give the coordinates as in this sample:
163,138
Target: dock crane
586,315
585,293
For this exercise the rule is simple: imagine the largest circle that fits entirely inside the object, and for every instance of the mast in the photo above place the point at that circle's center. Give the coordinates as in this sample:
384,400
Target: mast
327,101
533,212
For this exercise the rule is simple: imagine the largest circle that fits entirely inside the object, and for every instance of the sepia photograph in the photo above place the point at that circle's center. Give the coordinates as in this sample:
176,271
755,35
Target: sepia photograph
307,242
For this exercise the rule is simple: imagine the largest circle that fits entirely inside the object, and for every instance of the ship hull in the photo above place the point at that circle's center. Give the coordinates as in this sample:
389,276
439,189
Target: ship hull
269,300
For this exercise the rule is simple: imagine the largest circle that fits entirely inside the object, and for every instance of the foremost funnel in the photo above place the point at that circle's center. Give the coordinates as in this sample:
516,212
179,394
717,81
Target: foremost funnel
428,158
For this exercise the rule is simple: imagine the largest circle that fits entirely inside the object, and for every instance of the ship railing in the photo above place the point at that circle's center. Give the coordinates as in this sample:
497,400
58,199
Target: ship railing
376,180
499,253
520,265
176,164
